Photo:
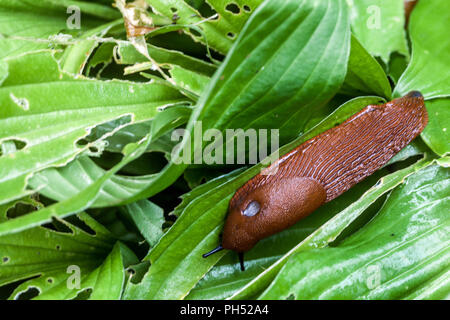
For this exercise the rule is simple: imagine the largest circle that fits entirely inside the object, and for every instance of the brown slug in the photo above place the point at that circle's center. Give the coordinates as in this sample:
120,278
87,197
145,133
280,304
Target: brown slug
320,170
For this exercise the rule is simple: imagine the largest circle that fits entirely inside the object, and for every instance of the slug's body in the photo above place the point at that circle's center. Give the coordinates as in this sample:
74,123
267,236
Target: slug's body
321,169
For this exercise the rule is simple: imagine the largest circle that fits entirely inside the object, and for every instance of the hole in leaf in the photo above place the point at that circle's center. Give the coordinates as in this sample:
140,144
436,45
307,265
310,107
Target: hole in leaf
291,297
5,259
233,8
58,247
104,129
29,294
82,142
231,35
50,280
58,226
84,294
93,149
247,8
11,146
195,33
20,209
81,224
173,9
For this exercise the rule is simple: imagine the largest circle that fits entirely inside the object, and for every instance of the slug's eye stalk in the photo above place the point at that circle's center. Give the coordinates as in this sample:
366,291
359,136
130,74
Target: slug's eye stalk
252,208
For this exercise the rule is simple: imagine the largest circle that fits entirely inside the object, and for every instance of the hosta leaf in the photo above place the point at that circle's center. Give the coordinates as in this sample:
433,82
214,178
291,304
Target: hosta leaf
42,110
428,70
63,183
102,57
127,54
365,75
437,132
259,86
405,246
148,218
189,80
435,289
19,207
60,6
196,230
379,26
84,199
133,133
220,31
106,282
46,253
77,55
27,20
76,203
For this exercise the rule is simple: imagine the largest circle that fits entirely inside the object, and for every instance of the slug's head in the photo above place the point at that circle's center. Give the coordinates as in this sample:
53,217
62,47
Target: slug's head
258,213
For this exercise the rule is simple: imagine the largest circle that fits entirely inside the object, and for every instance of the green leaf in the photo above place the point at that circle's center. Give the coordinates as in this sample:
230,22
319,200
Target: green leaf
133,133
259,86
25,22
220,31
88,8
428,70
106,282
3,71
41,108
102,57
127,54
63,183
47,254
379,26
76,56
437,132
365,75
405,246
148,218
189,80
87,196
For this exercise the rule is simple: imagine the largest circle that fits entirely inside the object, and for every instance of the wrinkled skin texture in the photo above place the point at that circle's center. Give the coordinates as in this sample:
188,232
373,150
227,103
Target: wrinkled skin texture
321,169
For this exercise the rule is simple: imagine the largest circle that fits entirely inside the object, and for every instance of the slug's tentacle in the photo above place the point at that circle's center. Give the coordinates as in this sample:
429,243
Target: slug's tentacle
321,169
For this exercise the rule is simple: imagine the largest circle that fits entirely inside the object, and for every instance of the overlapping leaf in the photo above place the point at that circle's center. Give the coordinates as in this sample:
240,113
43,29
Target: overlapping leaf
379,26
40,107
48,258
28,21
428,70
221,30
